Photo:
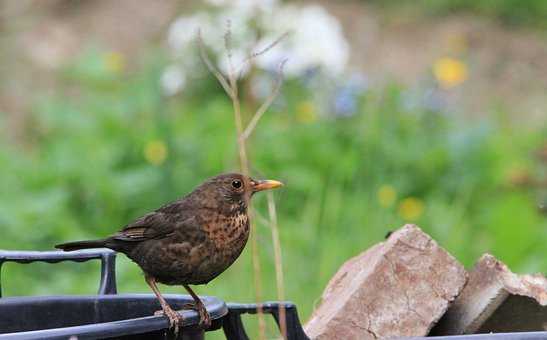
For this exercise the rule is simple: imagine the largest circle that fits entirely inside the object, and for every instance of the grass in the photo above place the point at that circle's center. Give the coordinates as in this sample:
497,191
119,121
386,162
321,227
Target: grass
109,147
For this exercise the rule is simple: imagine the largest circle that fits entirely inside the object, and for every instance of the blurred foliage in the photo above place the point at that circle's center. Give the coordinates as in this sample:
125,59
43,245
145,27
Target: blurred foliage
109,147
531,13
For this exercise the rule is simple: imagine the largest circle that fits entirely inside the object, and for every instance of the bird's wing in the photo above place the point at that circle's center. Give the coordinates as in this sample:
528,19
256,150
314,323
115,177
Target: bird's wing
151,226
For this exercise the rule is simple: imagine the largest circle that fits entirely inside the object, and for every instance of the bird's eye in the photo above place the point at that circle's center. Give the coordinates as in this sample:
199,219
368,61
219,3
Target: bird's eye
236,184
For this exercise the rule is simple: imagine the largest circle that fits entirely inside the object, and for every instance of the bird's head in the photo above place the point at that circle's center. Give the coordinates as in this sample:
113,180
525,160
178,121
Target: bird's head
235,190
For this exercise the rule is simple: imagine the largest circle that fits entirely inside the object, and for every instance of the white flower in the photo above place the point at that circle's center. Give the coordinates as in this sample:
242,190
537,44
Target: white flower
184,30
172,80
316,40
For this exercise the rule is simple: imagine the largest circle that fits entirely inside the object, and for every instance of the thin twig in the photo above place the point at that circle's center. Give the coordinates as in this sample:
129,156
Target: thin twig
231,88
221,79
263,51
270,46
264,107
244,163
257,279
278,264
228,38
228,47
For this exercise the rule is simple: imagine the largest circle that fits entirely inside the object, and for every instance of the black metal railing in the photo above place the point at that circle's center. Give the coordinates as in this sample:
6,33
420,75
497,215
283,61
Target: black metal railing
108,302
233,325
108,263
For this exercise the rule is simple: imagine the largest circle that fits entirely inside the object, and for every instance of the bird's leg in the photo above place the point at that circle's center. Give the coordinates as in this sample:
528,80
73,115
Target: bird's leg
204,318
175,319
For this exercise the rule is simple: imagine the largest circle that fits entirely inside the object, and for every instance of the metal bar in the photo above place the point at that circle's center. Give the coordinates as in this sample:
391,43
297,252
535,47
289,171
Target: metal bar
108,274
236,330
107,257
233,327
1,263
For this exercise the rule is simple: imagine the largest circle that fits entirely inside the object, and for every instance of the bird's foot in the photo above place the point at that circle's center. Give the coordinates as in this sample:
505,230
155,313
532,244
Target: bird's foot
175,319
204,318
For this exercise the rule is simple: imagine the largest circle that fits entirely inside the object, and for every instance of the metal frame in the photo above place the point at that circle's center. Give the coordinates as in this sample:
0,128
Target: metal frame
227,318
108,263
233,325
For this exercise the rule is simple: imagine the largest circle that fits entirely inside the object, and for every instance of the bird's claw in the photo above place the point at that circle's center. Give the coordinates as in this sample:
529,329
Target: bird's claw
204,318
175,319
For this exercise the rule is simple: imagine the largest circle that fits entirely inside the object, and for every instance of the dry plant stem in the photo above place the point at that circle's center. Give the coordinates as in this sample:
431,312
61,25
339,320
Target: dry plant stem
211,67
244,162
278,264
231,88
257,280
262,51
270,46
264,107
243,136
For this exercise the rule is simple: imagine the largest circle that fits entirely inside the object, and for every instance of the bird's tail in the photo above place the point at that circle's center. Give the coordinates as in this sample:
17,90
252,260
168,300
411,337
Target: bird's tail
70,246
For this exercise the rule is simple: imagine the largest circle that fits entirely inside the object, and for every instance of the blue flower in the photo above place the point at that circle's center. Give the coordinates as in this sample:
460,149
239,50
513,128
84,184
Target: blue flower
346,97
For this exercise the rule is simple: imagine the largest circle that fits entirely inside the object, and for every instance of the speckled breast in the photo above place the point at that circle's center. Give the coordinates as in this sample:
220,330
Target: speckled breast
194,256
227,241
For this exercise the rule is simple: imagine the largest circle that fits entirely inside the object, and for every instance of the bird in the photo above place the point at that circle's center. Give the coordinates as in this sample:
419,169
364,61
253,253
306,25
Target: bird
189,241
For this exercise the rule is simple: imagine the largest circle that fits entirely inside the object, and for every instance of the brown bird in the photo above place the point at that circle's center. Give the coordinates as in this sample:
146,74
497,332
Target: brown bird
189,241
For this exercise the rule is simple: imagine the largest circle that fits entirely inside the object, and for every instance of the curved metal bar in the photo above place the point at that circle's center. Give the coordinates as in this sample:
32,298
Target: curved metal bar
234,329
107,257
101,317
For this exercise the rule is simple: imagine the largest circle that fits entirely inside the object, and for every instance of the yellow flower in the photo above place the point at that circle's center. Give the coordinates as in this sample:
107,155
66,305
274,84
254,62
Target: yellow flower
155,152
386,196
115,62
411,208
305,112
450,72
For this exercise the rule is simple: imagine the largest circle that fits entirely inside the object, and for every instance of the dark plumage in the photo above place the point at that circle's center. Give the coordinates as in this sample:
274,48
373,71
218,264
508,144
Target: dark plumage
191,240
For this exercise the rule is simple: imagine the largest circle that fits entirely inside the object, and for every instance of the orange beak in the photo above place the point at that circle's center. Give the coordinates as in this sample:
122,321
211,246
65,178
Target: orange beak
265,185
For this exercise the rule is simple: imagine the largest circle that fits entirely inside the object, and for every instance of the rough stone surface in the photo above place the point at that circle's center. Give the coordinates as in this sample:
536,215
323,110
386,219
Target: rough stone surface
400,287
497,300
